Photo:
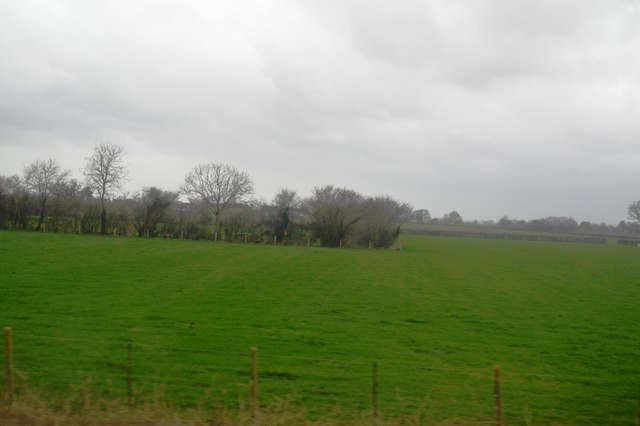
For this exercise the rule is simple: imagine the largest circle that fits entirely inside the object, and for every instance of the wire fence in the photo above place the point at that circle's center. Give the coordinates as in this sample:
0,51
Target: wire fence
192,376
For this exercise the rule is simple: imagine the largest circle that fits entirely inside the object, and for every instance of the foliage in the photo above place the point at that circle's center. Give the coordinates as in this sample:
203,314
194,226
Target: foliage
420,216
150,207
334,212
379,226
18,202
280,221
452,218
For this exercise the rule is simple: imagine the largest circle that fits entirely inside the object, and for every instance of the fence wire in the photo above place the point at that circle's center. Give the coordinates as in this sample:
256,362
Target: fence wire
186,372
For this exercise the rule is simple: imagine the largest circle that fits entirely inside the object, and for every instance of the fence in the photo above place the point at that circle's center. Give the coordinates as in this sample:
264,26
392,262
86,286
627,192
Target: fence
242,381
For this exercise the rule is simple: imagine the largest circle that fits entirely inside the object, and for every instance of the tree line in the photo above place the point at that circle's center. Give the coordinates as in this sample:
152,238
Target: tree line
219,205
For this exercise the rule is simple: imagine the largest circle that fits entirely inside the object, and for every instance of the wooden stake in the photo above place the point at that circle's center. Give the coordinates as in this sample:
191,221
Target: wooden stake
497,395
8,351
374,392
253,395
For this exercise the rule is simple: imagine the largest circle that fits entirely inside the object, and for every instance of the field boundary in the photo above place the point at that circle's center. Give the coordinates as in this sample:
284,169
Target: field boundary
126,373
508,236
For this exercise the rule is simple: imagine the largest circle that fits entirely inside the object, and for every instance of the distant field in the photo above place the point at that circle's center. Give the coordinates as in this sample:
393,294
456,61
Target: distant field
562,320
497,232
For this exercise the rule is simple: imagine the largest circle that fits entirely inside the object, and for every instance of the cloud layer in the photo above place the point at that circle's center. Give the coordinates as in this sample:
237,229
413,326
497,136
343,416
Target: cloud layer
491,108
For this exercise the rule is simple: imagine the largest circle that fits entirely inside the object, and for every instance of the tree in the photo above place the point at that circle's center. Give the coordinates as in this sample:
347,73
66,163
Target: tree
105,173
18,200
420,216
66,206
380,223
633,211
42,177
283,202
217,186
334,212
452,218
5,210
151,206
562,223
505,222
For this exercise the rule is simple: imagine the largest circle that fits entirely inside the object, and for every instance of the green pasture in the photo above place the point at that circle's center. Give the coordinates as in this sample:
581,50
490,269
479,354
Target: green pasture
562,321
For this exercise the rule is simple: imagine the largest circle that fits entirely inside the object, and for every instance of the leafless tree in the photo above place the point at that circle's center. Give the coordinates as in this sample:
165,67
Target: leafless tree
420,216
42,177
66,208
452,218
105,173
633,211
217,186
280,221
286,198
334,211
151,206
380,223
18,196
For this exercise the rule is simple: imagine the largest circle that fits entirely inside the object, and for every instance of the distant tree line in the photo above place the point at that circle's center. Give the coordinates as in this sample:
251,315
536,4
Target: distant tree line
219,205
552,224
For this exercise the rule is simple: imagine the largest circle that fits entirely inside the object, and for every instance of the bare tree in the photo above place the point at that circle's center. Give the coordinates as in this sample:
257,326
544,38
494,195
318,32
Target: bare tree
420,216
217,186
105,173
66,207
18,199
452,218
633,211
150,208
6,201
285,200
334,211
42,177
380,224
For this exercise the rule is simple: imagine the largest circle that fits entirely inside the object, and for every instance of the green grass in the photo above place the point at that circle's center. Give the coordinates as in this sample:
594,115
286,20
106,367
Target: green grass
562,320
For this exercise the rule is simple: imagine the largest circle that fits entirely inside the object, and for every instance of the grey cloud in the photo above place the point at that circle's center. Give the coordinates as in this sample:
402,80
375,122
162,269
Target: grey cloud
489,107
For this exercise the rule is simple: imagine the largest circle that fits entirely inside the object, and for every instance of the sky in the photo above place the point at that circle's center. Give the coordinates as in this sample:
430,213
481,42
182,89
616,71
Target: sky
488,107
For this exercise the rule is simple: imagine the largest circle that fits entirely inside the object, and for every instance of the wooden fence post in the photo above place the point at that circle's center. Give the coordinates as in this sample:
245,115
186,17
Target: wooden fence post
253,392
497,395
374,392
8,351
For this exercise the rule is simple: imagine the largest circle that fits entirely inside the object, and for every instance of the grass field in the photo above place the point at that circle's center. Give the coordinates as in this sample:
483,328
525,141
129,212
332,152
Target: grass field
562,320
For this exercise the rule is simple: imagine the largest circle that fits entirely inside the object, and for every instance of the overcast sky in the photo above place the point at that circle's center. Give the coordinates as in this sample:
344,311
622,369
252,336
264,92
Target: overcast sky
488,107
